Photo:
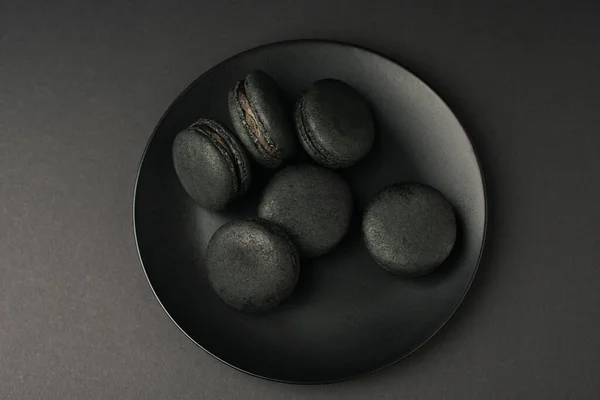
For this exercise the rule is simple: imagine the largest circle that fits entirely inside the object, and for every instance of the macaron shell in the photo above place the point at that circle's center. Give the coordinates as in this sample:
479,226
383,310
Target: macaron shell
252,265
409,229
240,158
268,104
316,153
312,204
210,164
338,121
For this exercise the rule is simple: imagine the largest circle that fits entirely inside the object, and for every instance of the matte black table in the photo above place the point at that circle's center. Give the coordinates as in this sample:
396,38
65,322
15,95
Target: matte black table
82,87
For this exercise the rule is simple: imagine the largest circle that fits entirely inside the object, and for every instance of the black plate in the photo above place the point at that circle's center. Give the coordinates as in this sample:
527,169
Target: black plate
347,317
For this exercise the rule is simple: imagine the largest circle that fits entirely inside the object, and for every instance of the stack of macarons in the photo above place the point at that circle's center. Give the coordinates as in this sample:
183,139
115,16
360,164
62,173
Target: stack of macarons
305,210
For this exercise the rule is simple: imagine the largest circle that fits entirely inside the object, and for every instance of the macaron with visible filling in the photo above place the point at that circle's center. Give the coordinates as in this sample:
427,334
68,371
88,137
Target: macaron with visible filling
211,164
335,123
409,229
260,119
252,265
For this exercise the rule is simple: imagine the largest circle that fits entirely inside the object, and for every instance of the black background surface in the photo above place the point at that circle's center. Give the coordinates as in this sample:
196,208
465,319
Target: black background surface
82,87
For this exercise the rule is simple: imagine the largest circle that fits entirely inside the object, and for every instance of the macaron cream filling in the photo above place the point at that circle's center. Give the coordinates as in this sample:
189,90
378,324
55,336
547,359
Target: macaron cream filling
253,124
237,168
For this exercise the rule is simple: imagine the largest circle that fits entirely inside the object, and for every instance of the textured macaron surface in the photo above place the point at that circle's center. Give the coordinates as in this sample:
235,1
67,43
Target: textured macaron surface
409,229
258,112
312,204
252,265
335,123
210,164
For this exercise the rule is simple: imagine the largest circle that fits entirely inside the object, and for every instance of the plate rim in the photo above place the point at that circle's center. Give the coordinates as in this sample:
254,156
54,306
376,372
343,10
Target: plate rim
387,59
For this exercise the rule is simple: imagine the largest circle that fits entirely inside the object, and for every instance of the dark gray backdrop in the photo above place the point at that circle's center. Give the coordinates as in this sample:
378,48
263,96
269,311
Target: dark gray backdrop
82,86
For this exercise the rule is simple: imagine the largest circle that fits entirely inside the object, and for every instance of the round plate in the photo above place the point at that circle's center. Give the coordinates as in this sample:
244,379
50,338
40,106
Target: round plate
347,317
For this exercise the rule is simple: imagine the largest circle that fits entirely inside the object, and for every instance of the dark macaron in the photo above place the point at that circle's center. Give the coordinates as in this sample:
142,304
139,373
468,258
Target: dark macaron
259,117
252,265
211,164
312,204
335,123
409,229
